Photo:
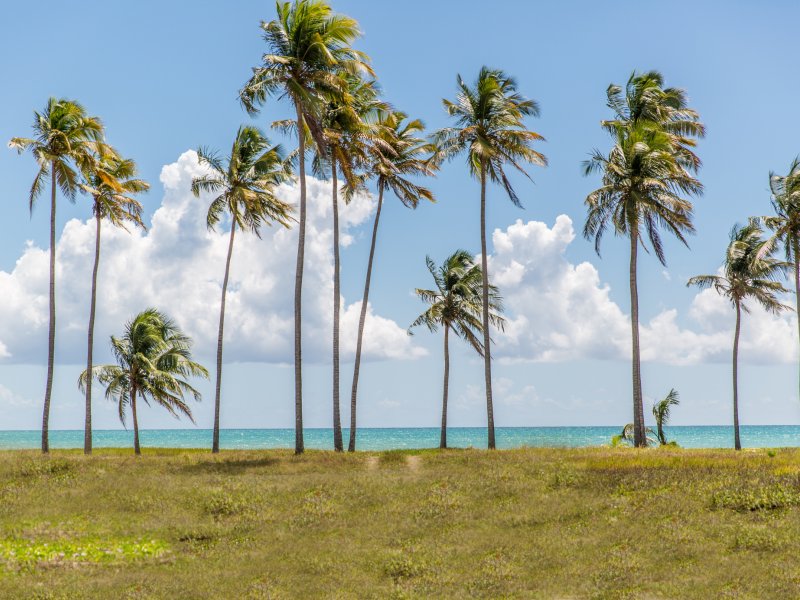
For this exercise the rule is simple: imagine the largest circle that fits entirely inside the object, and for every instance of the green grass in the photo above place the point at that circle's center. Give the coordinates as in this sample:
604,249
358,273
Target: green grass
589,523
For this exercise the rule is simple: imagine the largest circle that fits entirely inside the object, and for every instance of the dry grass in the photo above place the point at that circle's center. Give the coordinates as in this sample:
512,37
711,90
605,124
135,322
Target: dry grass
591,523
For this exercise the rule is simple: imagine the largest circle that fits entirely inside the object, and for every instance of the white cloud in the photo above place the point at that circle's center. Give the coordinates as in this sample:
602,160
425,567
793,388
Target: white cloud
558,311
177,266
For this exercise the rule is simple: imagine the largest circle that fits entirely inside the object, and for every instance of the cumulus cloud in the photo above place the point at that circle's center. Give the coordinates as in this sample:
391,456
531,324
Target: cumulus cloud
177,266
558,311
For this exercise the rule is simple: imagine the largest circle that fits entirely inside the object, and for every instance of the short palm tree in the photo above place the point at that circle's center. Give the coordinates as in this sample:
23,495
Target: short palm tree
64,138
490,131
309,47
661,413
643,188
785,223
398,154
154,362
111,182
246,185
749,272
456,304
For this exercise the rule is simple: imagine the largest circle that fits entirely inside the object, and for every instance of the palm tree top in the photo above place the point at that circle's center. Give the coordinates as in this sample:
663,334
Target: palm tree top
111,180
749,271
490,129
246,183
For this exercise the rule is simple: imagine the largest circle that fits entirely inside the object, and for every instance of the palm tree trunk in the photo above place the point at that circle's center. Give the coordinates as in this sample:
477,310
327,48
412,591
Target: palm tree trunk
51,333
795,249
298,291
215,442
136,447
736,441
87,427
337,420
487,340
361,320
639,436
443,438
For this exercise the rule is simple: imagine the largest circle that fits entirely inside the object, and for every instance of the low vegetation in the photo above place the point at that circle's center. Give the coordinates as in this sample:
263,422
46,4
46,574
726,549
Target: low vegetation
583,523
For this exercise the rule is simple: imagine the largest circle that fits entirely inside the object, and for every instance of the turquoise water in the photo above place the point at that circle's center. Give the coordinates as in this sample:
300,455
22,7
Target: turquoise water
714,436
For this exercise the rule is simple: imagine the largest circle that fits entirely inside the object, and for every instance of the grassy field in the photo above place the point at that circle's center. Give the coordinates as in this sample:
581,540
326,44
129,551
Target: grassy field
591,523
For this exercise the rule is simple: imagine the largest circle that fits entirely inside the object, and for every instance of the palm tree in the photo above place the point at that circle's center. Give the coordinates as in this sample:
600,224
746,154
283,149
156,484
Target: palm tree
490,130
308,50
643,189
153,362
749,272
64,137
785,224
110,181
645,174
398,154
661,413
456,304
246,186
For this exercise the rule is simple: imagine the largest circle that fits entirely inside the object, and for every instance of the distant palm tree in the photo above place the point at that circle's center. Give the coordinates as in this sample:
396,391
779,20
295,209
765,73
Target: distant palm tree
64,138
644,176
785,224
308,50
153,362
456,304
643,189
490,130
246,185
749,272
110,181
397,155
661,413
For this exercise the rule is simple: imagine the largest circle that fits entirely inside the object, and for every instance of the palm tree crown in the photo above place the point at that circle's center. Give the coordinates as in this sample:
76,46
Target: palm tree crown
661,413
111,181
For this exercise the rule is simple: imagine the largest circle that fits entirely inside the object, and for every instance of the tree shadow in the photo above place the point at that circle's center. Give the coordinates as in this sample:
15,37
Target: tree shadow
230,466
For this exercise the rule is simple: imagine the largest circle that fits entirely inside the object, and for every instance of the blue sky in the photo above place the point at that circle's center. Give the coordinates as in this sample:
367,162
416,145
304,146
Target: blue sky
164,77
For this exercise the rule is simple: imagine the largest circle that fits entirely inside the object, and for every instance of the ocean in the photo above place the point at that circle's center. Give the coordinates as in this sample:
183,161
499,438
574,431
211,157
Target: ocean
710,436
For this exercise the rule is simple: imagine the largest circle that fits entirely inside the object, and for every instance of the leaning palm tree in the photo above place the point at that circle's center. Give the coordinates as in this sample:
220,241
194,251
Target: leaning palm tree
785,223
246,187
491,132
308,50
661,413
456,304
398,154
644,187
749,272
111,182
154,361
64,138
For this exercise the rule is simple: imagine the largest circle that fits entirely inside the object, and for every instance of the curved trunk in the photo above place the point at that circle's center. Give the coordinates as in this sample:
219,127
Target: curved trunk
662,438
136,447
337,420
298,292
215,441
639,436
87,427
361,320
443,438
487,339
51,332
736,441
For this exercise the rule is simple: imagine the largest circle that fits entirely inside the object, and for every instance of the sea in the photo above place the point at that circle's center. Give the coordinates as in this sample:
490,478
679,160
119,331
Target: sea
707,436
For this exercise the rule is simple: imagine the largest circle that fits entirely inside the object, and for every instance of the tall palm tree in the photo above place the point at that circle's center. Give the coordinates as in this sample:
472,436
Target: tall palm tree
749,272
457,304
645,111
154,361
309,47
399,154
491,132
643,189
785,223
64,138
245,185
111,182
661,413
